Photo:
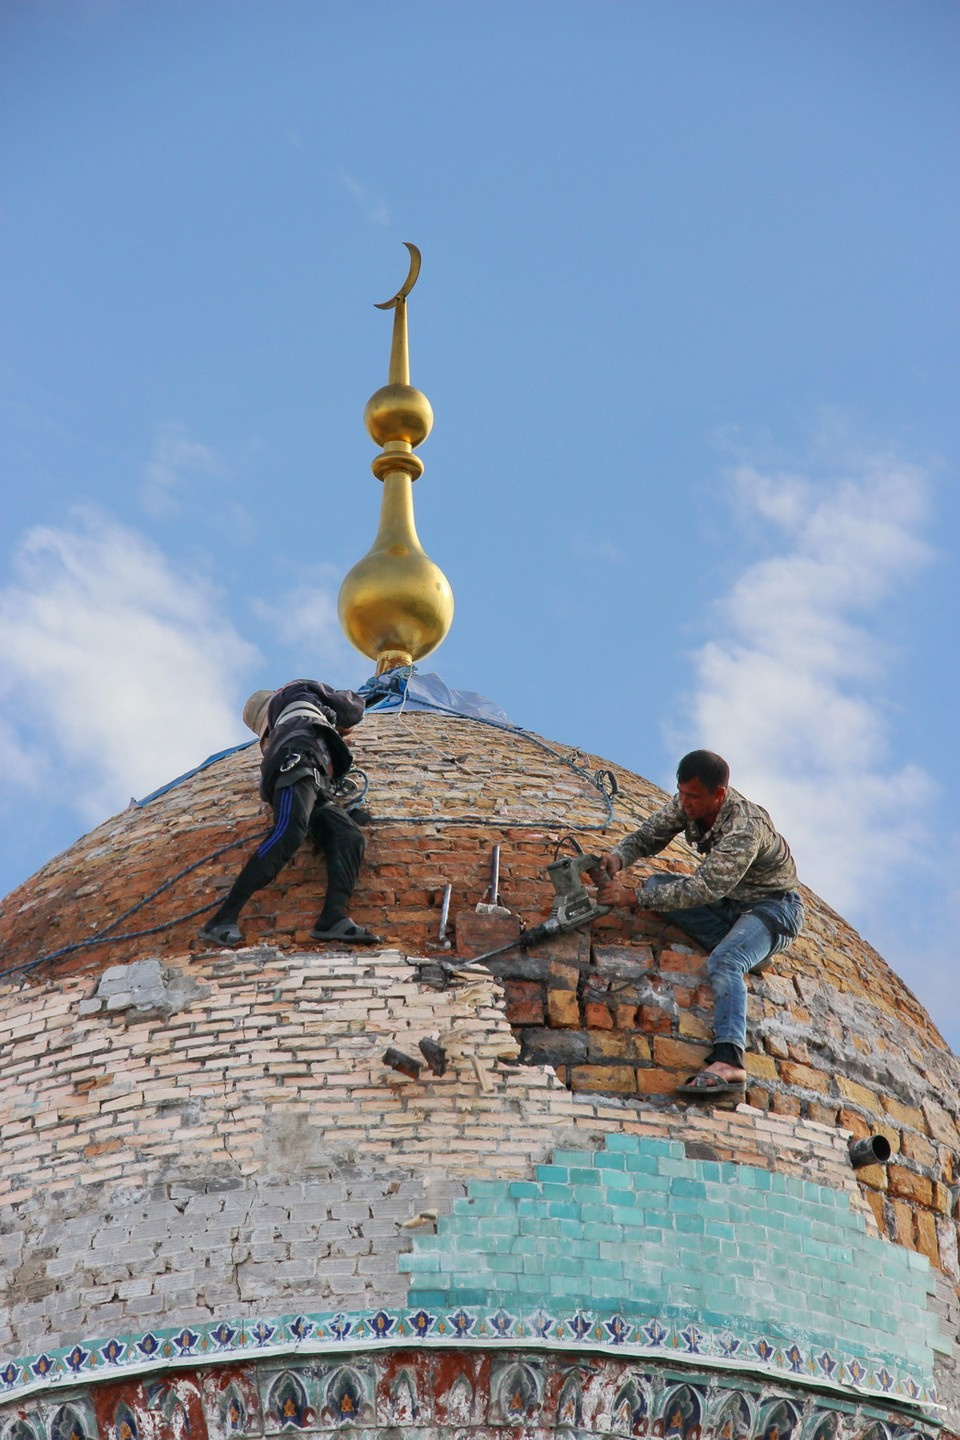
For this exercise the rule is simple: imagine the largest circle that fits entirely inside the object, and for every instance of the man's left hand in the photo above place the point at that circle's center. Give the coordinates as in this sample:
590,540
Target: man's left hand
614,892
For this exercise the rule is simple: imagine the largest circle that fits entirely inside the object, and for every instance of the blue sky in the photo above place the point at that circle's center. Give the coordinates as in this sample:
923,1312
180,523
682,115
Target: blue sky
688,321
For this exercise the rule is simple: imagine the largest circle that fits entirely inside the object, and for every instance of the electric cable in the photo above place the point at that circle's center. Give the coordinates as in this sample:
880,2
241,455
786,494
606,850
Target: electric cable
104,936
592,780
355,786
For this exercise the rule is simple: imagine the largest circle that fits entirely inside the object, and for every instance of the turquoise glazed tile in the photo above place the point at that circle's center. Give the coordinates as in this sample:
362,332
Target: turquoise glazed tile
609,1160
630,1245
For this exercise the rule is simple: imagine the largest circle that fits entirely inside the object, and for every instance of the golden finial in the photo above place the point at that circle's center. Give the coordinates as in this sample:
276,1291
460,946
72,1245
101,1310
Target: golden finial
395,605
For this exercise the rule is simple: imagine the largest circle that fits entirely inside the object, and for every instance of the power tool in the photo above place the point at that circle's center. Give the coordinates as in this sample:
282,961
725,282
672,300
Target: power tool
573,906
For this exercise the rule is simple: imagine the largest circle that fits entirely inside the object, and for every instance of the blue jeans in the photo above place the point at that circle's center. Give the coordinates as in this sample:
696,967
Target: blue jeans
738,941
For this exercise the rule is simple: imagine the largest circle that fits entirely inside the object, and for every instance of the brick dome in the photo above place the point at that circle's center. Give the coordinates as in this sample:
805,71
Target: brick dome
173,1078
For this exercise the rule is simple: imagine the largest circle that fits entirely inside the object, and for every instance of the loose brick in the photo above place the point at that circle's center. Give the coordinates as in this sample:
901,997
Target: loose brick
691,1027
940,1124
908,1186
677,1054
859,1094
597,1016
874,1176
926,1233
566,977
563,1008
915,1147
676,962
876,1202
524,1002
607,1045
654,1020
756,1064
613,1079
903,1114
782,1104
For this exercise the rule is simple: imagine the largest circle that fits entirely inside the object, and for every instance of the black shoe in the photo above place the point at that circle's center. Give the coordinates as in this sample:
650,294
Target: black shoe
223,932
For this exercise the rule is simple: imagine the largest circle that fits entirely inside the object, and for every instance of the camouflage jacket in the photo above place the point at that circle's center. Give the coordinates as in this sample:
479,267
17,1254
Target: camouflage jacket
743,855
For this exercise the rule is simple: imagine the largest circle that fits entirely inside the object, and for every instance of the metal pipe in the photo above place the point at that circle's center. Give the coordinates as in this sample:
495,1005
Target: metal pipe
874,1150
445,916
495,875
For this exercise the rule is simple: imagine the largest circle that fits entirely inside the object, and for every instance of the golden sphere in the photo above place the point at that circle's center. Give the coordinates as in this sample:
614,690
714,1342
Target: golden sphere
395,601
398,412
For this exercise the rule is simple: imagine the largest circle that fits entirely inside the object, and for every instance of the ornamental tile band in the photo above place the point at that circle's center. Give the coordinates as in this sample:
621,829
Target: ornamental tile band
478,1327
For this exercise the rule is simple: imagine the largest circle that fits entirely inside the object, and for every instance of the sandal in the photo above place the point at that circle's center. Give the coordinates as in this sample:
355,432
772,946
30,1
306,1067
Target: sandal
707,1083
225,934
346,930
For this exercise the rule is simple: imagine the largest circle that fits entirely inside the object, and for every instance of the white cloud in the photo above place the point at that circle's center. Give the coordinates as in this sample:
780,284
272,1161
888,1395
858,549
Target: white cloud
376,210
118,673
790,686
176,461
305,623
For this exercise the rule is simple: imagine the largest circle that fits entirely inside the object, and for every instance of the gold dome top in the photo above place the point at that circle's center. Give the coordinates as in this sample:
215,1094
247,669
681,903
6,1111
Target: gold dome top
395,604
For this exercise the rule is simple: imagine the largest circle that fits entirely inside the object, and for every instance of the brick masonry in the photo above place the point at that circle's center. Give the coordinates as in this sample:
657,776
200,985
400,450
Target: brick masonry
190,1134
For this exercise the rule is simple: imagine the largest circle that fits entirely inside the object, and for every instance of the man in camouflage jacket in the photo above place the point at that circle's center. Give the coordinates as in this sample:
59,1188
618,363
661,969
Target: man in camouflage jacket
740,902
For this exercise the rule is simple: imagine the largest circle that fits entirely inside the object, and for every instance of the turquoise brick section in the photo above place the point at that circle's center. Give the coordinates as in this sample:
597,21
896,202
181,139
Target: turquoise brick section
639,1229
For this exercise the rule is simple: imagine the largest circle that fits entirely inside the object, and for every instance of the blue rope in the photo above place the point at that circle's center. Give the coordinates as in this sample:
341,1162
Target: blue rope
104,936
592,780
358,777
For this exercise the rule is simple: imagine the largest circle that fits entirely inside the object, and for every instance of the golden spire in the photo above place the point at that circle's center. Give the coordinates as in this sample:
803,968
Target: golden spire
395,605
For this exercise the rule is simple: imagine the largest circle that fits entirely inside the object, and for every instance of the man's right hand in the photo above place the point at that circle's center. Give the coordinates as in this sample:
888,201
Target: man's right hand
611,863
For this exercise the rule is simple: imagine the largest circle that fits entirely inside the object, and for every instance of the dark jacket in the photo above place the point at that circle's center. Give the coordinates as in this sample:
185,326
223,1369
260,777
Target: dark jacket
312,736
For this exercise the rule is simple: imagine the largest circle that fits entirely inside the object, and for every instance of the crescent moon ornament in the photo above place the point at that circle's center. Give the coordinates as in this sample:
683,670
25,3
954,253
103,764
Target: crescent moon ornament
408,284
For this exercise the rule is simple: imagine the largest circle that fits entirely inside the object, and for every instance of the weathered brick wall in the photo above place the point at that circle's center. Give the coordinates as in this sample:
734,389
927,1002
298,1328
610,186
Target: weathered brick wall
240,1101
835,1035
206,1140
252,1145
442,792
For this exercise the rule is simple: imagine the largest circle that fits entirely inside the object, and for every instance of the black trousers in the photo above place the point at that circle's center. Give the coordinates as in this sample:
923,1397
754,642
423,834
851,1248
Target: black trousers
300,810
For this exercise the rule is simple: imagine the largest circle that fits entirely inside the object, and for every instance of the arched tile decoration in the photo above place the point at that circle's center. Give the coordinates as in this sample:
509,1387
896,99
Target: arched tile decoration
570,1404
516,1393
682,1415
346,1401
877,1431
20,1430
405,1407
820,1426
233,1411
67,1425
457,1400
162,1397
778,1421
125,1423
734,1419
287,1407
631,1410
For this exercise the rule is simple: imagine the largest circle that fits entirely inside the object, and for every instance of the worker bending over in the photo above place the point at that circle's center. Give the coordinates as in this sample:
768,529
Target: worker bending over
301,728
740,902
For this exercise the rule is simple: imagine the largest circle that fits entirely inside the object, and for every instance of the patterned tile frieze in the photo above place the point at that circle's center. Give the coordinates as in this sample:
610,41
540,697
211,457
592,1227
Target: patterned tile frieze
454,1390
482,1326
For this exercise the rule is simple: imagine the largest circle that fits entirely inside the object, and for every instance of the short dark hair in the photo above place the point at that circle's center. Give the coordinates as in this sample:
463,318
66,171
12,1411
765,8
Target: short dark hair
711,770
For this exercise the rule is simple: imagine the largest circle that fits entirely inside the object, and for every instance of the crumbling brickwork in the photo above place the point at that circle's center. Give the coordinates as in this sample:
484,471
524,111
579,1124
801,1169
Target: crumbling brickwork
192,1134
